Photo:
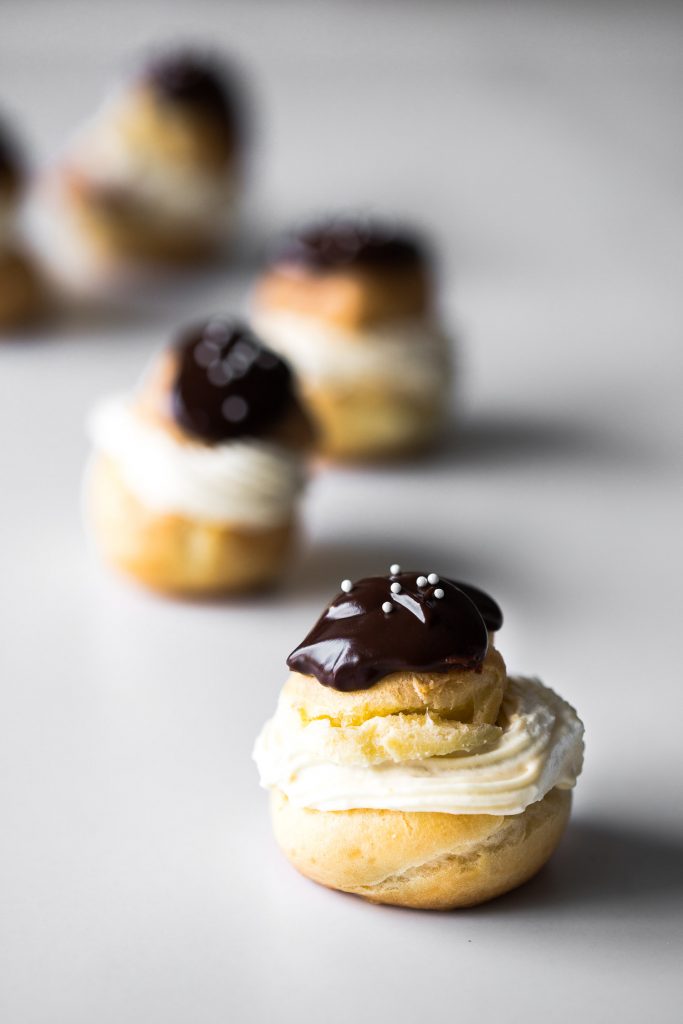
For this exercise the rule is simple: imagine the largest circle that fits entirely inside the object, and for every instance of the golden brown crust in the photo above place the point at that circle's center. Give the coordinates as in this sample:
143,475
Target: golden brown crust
373,421
23,296
463,696
119,227
349,299
422,860
177,555
153,401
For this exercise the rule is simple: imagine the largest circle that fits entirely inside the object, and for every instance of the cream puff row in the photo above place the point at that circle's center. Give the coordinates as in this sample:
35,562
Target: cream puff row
154,178
372,370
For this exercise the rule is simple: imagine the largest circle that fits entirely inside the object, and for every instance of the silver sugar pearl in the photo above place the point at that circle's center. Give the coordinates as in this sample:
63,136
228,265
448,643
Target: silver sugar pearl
217,327
205,353
234,409
395,569
395,588
433,578
347,586
439,593
422,581
387,607
217,376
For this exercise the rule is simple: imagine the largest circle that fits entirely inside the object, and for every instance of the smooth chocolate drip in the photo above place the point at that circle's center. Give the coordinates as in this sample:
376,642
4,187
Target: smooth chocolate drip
488,609
228,384
355,643
348,243
197,82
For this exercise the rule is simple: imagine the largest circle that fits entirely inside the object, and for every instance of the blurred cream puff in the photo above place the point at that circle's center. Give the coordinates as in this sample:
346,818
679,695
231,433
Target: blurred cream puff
349,303
154,178
194,482
404,764
22,292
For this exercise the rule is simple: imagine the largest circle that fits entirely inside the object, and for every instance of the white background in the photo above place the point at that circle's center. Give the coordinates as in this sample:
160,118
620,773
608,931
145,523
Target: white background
541,146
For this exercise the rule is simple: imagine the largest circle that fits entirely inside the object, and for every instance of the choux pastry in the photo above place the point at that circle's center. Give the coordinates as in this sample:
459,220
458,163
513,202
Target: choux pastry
153,179
194,481
349,303
404,765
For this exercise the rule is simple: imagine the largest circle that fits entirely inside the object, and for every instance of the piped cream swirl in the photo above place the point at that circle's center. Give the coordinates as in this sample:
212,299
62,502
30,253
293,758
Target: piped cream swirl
540,748
245,481
411,353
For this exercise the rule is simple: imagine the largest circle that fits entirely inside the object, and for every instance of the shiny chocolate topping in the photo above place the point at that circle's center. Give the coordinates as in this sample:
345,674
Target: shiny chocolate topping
348,243
228,384
197,82
404,622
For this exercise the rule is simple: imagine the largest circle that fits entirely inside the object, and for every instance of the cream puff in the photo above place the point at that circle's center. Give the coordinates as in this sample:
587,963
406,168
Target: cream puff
154,178
349,302
22,294
194,483
403,763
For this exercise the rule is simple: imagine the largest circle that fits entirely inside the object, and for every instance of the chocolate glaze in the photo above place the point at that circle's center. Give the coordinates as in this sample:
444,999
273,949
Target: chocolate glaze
488,609
228,384
355,643
349,243
199,83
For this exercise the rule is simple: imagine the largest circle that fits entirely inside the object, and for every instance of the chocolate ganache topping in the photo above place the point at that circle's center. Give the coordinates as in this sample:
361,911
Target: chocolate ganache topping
197,82
407,621
228,384
350,243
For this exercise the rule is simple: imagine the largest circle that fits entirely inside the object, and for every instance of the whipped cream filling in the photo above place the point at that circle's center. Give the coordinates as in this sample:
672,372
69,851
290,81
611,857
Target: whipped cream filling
202,199
246,481
541,748
412,353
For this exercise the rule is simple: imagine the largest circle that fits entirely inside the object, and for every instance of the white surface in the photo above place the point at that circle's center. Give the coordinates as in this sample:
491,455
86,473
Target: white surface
139,880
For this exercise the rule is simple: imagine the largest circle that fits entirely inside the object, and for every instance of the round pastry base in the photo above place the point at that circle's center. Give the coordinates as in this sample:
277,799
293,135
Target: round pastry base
176,555
422,860
372,423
